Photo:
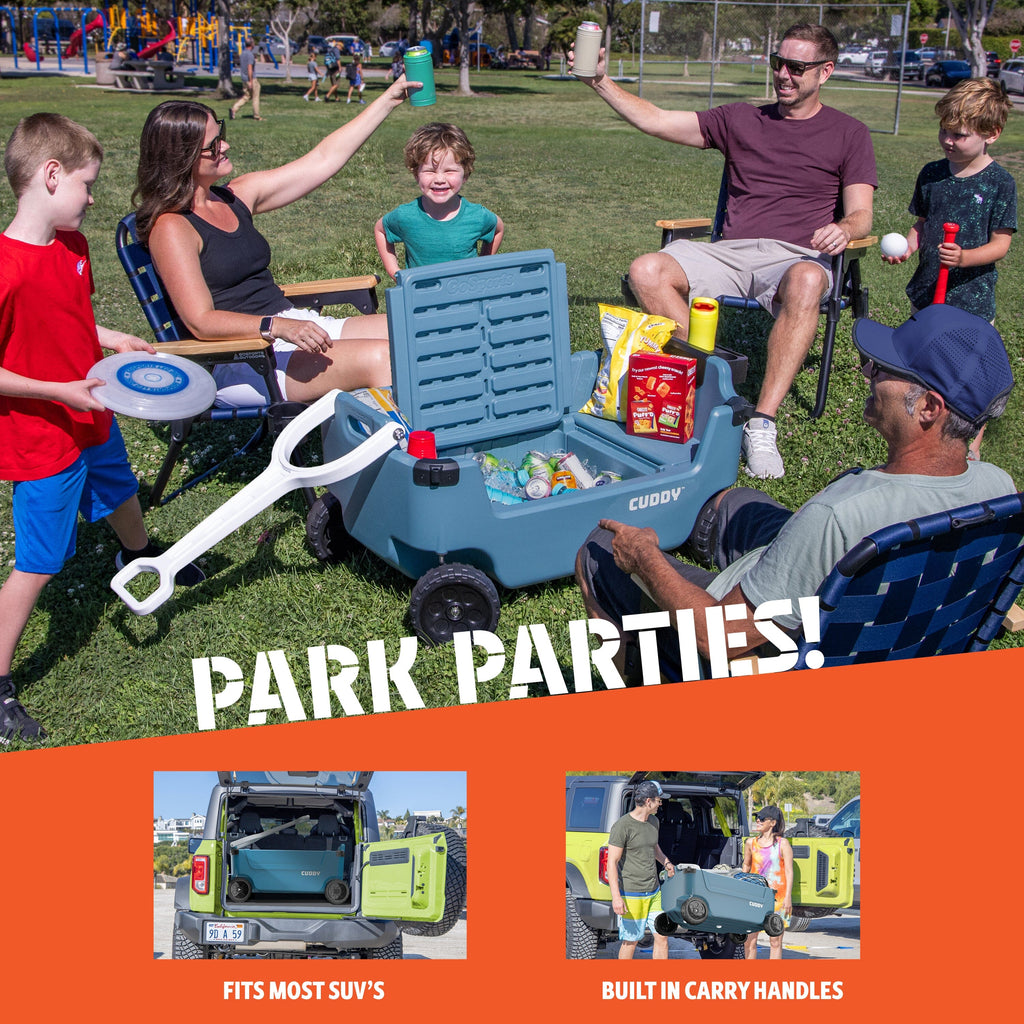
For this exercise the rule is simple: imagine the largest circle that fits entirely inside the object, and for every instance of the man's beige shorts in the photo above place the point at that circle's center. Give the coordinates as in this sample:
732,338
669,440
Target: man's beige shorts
749,267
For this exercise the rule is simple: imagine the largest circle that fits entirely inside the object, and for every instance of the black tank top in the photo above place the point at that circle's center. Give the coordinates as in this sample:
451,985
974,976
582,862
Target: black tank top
235,264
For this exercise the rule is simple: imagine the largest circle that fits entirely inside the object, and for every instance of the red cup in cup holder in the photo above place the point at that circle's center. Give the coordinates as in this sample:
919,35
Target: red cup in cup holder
422,444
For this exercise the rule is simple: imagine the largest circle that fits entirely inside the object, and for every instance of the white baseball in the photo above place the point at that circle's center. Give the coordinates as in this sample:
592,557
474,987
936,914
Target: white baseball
893,244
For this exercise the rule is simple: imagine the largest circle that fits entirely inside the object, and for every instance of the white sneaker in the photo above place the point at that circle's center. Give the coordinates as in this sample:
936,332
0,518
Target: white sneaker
316,99
306,98
760,449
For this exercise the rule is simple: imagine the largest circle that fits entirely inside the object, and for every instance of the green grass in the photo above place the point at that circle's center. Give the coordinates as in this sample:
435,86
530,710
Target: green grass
564,173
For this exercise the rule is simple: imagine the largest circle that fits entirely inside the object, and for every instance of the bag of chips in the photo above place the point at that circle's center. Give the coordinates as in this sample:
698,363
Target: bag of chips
623,332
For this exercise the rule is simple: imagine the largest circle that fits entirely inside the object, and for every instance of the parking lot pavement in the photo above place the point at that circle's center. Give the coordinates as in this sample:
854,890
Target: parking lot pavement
836,937
414,947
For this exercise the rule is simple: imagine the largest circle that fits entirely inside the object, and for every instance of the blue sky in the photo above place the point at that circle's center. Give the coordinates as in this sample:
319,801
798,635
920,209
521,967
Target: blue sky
178,794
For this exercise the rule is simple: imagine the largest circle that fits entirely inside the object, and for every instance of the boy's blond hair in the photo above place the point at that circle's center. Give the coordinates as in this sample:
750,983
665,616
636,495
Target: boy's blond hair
977,105
439,138
42,137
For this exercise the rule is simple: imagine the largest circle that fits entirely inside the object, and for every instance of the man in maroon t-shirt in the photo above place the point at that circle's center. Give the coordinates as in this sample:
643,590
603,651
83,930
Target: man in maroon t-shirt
801,185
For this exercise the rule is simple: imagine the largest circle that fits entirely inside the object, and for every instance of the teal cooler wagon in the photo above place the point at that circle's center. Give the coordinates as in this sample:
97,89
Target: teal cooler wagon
710,901
280,861
481,357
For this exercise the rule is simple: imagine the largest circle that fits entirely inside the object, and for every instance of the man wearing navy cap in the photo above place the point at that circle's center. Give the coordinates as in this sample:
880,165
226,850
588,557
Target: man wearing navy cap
934,383
633,859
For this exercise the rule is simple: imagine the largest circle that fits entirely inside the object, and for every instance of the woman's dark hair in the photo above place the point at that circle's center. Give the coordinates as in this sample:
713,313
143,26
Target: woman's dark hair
171,142
773,814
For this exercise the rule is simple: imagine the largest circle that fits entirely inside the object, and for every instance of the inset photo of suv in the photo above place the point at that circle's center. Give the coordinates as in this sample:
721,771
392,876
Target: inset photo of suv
293,865
658,856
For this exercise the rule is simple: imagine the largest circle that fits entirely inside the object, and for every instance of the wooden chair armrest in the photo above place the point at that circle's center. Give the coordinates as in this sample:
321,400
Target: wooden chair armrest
856,246
337,284
1013,621
684,223
193,348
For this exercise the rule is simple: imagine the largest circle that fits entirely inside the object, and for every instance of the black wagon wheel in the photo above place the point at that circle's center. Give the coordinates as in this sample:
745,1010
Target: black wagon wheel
450,598
694,910
664,925
325,529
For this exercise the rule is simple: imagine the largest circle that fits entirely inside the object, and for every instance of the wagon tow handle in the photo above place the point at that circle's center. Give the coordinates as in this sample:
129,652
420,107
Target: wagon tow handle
241,844
280,477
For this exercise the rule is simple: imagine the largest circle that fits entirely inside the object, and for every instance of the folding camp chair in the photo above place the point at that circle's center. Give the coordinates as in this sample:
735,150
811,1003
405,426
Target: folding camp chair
171,336
847,290
941,584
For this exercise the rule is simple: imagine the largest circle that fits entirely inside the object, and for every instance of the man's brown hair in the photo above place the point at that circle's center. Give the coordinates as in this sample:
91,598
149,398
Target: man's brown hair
824,41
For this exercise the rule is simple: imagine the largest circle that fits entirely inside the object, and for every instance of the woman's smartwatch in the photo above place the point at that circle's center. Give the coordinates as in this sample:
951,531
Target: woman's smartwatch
265,325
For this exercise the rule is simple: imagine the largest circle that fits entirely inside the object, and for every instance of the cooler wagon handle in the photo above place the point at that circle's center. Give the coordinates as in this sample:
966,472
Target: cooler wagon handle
280,477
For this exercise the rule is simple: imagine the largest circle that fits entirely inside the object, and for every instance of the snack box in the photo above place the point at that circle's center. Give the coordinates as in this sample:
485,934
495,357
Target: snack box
661,396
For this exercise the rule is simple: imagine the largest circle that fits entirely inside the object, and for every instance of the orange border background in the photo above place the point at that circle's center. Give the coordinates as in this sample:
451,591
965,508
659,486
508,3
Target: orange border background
932,739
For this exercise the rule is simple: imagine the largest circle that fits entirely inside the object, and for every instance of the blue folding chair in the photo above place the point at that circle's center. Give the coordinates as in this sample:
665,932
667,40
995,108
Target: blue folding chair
847,291
171,336
941,584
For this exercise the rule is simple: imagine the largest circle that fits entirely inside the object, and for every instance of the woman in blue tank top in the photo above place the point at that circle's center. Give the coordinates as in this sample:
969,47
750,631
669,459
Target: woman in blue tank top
215,265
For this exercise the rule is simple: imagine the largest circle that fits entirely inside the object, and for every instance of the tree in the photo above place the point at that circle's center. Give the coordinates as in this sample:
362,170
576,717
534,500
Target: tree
464,88
286,18
970,18
225,87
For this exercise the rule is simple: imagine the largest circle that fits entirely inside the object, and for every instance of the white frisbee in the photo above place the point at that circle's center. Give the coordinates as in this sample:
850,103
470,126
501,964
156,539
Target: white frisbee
153,387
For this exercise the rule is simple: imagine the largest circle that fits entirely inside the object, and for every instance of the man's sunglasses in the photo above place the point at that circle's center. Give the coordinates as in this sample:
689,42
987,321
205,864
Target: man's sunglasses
795,67
872,370
216,143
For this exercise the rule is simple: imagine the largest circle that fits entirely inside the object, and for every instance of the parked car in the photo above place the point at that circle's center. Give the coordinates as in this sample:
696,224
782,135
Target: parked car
846,823
391,49
702,823
316,44
47,28
947,73
850,55
274,45
912,66
875,63
992,64
291,865
350,46
1011,74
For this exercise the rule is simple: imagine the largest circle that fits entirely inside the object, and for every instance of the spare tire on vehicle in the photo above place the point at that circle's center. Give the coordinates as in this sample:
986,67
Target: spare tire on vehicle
454,883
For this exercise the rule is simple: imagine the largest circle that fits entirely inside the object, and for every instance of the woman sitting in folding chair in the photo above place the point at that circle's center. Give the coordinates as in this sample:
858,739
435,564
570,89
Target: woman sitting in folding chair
214,264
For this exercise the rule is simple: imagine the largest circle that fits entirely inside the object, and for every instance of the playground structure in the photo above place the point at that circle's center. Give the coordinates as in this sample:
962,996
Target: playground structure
38,33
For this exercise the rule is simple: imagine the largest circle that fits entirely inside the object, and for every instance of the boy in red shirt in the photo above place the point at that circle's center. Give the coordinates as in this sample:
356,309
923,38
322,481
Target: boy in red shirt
58,443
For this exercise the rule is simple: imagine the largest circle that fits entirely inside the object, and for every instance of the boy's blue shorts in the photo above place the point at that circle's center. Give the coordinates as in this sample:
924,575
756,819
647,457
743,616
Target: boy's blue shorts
46,511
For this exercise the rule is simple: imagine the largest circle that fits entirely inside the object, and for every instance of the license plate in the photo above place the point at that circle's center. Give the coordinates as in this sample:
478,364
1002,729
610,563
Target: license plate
232,932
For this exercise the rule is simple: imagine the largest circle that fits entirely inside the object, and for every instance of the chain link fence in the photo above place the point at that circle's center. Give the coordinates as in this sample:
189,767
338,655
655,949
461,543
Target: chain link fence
692,54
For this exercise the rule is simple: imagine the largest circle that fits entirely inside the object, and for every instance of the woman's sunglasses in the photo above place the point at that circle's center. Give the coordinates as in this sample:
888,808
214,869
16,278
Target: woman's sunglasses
795,67
216,143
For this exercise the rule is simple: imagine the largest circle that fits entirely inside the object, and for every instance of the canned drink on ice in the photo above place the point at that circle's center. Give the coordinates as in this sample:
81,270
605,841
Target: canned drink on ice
607,477
534,464
537,487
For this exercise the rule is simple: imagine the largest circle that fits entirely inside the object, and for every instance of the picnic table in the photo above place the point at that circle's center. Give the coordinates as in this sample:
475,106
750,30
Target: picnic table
149,76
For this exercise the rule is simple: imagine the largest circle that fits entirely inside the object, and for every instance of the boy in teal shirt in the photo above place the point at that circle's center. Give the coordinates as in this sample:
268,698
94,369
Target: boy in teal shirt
440,225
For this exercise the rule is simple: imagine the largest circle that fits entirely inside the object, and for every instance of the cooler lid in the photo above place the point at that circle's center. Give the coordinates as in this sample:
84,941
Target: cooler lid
480,347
